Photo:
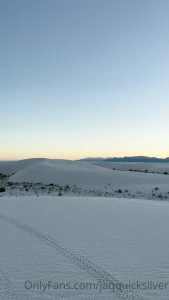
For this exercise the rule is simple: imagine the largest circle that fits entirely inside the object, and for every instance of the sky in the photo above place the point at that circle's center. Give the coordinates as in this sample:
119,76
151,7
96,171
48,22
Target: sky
84,78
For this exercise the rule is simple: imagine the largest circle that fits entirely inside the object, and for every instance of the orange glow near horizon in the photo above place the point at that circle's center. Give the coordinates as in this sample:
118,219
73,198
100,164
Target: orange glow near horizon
76,156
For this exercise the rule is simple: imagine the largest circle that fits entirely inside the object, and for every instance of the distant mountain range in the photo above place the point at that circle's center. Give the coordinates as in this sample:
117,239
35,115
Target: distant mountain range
141,159
94,159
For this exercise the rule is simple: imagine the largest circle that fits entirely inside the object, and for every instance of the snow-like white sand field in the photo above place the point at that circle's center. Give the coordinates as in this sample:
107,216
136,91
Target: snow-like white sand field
142,167
82,240
77,246
82,179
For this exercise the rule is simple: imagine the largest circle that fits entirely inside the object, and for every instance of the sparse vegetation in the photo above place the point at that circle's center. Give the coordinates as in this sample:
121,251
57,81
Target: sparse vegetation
3,176
67,187
38,189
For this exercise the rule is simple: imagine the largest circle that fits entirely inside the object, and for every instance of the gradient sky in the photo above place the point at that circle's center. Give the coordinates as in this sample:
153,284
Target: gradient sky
83,78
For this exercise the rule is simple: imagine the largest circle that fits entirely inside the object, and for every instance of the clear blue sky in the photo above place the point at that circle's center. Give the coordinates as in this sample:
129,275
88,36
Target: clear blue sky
84,78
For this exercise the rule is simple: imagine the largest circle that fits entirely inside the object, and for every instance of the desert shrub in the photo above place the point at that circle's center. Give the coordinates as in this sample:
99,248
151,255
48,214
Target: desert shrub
156,189
119,191
146,171
60,194
67,187
165,173
2,189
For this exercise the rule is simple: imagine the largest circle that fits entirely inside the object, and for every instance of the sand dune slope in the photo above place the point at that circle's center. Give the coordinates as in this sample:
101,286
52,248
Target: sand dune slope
10,167
85,174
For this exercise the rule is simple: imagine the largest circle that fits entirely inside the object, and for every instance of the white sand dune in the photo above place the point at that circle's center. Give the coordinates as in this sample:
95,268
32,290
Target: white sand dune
10,167
87,175
124,166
